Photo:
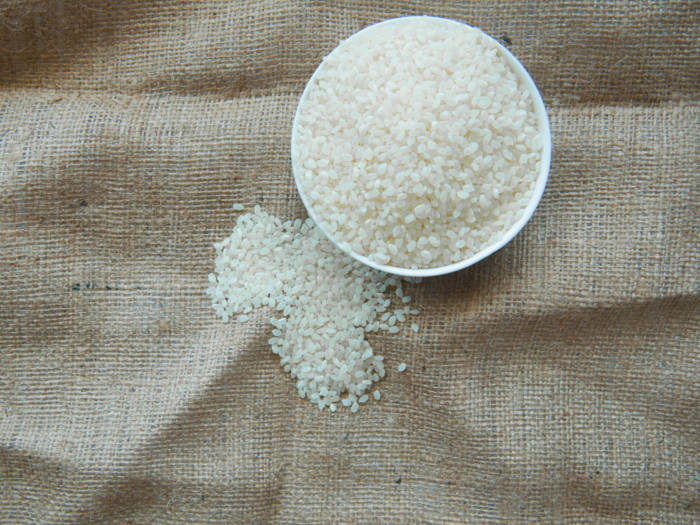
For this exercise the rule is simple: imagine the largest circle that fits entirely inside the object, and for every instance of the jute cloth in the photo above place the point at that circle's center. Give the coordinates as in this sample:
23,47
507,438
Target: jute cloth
555,382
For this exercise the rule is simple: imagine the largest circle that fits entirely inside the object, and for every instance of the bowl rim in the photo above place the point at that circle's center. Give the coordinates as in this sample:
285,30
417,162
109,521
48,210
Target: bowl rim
540,183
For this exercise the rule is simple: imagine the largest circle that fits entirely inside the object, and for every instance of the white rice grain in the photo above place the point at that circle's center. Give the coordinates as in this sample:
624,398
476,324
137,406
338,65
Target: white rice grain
330,301
410,140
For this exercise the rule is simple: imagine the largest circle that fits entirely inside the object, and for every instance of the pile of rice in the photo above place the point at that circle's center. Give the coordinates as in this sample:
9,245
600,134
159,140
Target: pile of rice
326,302
416,144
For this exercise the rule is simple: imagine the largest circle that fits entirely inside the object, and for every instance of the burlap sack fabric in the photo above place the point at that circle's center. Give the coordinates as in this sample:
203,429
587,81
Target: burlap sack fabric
555,382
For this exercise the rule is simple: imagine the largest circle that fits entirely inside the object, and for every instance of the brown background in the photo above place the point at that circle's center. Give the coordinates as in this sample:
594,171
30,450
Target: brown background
555,382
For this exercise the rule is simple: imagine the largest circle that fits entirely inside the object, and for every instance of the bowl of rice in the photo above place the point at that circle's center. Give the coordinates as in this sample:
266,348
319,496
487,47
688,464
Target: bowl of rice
420,146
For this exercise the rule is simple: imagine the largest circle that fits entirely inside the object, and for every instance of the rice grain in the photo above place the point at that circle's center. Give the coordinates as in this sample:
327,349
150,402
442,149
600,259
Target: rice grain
400,143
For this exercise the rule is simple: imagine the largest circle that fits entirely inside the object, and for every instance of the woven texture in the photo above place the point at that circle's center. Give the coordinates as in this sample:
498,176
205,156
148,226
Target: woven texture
557,381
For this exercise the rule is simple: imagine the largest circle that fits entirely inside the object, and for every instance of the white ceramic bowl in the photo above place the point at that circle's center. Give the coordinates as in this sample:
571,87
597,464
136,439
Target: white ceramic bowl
543,128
